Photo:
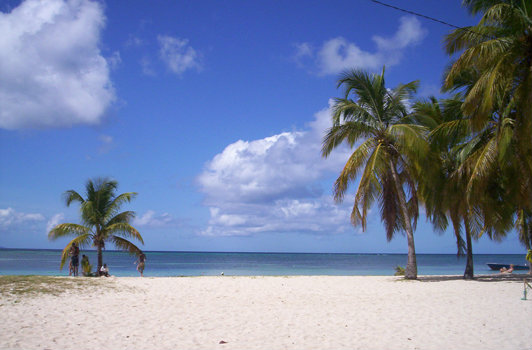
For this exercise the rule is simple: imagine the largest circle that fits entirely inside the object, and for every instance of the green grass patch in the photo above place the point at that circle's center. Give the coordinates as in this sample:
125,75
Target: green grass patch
17,286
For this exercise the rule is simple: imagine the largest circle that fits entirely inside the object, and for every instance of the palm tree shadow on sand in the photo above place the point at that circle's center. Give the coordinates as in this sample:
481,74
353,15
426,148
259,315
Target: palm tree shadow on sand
517,277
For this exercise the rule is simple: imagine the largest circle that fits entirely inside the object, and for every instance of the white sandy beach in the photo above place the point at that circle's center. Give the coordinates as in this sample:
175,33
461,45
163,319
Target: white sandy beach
273,313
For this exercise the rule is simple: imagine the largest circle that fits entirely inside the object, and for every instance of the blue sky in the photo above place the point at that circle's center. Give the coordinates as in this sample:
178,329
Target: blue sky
213,111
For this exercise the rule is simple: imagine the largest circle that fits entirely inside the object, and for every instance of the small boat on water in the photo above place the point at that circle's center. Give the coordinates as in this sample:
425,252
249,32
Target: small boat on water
497,267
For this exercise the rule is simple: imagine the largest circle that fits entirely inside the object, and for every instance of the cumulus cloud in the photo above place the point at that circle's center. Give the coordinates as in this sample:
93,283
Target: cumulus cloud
274,185
53,74
151,219
338,54
9,217
54,221
308,215
178,55
409,33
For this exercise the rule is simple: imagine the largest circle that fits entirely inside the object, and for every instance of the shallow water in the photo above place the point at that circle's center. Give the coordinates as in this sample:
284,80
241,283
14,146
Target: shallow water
46,262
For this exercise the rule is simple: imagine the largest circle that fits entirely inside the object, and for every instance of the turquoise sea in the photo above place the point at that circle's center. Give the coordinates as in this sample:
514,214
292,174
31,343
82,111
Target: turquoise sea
46,262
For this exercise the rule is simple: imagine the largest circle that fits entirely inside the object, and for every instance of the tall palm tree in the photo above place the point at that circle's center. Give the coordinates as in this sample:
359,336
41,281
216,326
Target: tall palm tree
102,221
499,49
490,157
444,195
387,157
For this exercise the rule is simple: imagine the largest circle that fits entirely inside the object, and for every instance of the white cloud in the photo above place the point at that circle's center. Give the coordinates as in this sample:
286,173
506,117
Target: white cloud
315,216
146,66
53,74
304,52
9,217
410,33
274,185
106,143
134,41
178,55
115,60
151,219
338,54
54,221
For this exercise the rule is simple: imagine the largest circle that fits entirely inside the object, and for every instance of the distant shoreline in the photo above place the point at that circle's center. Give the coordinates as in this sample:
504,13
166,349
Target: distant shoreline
248,252
160,263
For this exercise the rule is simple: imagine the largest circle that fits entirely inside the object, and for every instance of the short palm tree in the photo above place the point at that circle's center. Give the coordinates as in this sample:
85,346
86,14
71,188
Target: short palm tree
387,157
102,221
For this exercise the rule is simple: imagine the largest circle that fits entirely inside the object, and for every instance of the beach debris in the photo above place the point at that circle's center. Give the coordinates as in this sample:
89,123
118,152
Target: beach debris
222,342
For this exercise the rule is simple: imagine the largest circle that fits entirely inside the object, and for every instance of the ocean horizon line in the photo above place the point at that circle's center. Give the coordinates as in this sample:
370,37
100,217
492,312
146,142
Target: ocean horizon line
255,252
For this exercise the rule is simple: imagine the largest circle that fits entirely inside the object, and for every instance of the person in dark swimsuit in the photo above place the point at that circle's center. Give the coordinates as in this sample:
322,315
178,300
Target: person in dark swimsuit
141,262
74,258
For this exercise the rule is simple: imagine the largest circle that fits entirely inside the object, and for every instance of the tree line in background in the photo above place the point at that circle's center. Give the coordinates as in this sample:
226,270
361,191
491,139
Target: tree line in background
467,157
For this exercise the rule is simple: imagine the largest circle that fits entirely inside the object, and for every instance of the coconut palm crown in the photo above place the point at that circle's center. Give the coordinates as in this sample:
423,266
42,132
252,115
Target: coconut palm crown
499,48
389,147
101,219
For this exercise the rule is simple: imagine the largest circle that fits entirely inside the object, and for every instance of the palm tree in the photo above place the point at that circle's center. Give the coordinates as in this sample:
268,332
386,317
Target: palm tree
491,157
499,49
444,194
387,157
102,221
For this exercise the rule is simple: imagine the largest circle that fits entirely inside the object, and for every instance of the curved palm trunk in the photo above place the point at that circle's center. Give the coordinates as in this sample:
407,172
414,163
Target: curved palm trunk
411,264
469,272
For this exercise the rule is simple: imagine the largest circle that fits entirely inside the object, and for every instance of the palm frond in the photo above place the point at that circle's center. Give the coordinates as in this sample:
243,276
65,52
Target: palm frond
369,186
117,202
125,245
72,196
82,241
390,205
457,229
410,139
351,131
505,139
351,168
66,229
125,217
125,230
487,156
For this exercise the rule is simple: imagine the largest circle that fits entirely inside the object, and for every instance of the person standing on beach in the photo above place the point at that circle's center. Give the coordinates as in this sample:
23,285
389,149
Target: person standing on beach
85,265
141,262
74,258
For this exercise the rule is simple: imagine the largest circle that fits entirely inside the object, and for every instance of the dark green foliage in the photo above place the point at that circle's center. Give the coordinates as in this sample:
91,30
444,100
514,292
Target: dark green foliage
102,220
